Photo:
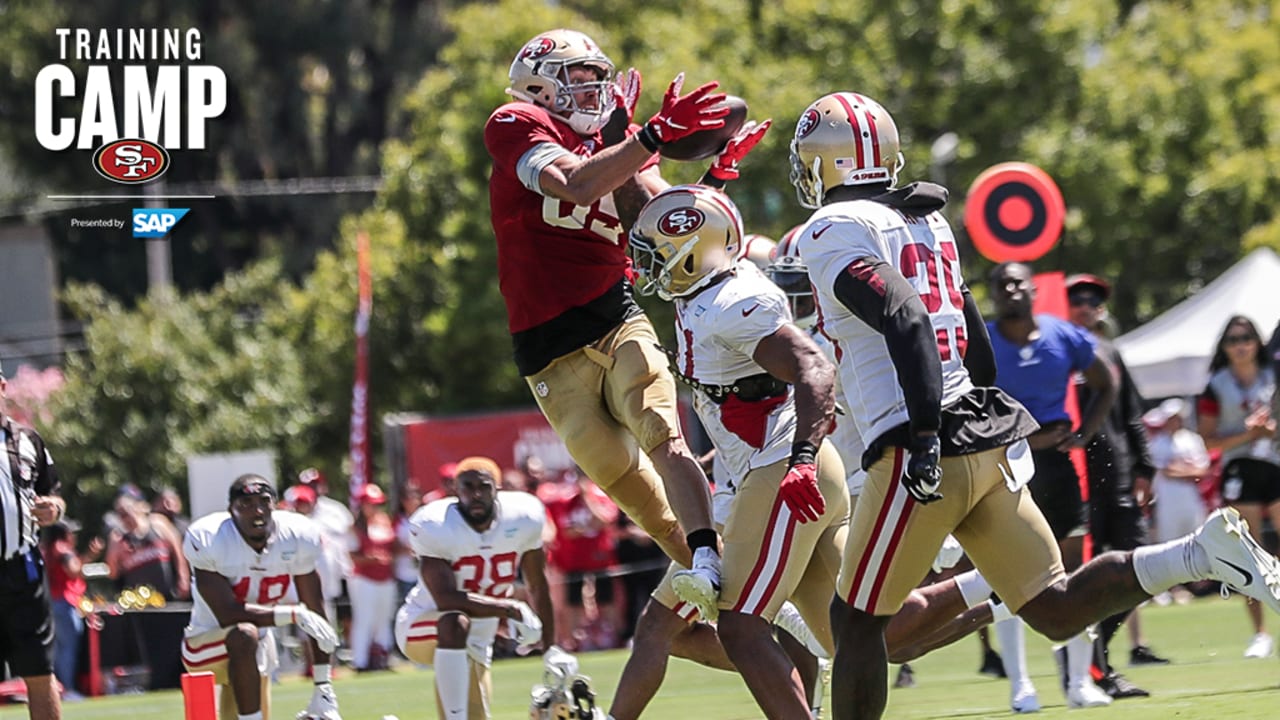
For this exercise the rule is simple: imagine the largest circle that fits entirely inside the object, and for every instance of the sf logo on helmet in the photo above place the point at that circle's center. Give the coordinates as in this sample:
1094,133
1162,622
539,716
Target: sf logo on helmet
808,123
537,47
681,222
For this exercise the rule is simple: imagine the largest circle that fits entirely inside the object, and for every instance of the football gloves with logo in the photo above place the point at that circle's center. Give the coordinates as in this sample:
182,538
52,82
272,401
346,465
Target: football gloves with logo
323,705
923,476
527,629
683,115
799,488
725,167
310,623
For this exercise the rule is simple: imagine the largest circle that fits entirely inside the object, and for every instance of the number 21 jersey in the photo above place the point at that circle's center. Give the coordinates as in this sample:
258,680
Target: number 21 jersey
923,249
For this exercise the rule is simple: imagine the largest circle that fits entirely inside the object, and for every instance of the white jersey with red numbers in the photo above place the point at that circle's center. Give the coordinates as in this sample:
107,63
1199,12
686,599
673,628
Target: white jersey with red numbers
484,563
924,250
213,543
717,331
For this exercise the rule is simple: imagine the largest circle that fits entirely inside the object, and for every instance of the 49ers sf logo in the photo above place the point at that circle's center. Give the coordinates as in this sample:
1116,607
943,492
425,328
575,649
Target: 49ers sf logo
537,47
131,161
808,123
681,221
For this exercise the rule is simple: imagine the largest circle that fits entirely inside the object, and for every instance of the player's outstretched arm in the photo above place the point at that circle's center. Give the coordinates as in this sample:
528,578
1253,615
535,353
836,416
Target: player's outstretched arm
216,590
979,357
533,566
438,576
312,597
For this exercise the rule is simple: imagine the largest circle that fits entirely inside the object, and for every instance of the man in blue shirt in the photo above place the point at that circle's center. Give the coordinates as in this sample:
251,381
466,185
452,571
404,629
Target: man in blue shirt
1036,358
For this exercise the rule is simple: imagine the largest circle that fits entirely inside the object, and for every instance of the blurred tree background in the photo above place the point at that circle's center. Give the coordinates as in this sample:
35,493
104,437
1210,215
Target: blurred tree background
1159,120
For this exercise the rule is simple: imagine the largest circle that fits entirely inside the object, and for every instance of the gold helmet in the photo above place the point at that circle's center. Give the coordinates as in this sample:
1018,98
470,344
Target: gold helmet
540,75
843,139
684,236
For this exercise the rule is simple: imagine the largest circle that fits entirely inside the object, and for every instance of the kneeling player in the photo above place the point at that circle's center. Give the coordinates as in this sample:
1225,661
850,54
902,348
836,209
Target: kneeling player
471,548
243,563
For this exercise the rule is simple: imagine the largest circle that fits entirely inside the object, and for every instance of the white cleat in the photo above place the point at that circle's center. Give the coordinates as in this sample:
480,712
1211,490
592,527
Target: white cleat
1260,647
1024,699
700,585
790,620
1087,695
1238,560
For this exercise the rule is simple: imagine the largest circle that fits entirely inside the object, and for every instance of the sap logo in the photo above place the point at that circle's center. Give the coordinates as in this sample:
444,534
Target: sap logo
155,222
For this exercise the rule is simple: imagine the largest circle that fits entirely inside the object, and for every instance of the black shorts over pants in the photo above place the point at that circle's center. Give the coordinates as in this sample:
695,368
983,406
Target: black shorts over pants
26,622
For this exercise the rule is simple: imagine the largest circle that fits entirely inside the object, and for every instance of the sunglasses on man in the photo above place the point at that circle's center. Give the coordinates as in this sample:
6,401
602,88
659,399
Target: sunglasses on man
1091,299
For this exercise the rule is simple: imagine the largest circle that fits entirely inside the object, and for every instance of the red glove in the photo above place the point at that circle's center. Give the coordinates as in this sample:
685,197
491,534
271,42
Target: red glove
725,168
683,115
799,489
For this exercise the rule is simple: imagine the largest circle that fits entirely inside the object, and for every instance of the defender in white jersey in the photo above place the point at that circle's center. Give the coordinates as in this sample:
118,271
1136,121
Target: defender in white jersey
471,549
764,394
244,563
945,452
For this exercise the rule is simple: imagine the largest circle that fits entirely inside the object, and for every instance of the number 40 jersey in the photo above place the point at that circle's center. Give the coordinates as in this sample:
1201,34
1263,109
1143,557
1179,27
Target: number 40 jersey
923,249
214,544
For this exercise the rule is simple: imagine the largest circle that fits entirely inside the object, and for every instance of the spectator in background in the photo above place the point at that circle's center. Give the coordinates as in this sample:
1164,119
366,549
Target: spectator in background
447,472
1119,468
1235,417
535,473
63,565
406,562
1273,357
169,504
330,513
1181,459
372,585
643,565
583,550
1036,357
146,551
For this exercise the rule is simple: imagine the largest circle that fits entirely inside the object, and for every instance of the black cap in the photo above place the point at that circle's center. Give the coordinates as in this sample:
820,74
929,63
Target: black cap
249,486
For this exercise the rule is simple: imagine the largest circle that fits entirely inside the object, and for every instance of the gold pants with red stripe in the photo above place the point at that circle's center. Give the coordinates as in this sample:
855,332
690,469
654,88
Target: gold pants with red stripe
416,636
770,556
893,540
612,403
207,652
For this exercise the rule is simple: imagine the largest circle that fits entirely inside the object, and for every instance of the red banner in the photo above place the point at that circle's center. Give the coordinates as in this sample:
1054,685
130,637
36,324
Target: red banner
360,388
507,437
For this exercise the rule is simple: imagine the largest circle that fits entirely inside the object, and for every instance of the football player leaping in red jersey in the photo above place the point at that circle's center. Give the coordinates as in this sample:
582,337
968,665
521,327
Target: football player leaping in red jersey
587,351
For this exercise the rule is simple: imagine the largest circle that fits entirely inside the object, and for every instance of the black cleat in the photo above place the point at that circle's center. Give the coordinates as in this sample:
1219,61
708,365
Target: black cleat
1119,686
1142,655
992,664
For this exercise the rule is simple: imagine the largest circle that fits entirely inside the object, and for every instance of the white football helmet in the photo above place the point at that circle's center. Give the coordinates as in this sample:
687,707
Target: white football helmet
684,237
788,271
843,139
540,75
758,249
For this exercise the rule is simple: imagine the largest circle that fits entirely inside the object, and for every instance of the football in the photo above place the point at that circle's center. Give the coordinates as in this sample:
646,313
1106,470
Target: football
705,143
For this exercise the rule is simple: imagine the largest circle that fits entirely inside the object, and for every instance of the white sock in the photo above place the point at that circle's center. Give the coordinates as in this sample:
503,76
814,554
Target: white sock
251,716
1013,650
973,587
1079,658
999,611
1160,567
453,682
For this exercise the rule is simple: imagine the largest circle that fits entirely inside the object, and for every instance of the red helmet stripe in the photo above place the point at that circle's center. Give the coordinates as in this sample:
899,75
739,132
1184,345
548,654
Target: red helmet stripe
853,123
875,136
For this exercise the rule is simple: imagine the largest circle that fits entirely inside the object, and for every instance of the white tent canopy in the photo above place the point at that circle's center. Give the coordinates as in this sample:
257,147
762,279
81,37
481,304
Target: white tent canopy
1170,355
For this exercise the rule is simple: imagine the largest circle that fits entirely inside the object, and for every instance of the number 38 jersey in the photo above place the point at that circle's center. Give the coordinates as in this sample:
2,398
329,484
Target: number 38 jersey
213,543
923,249
484,563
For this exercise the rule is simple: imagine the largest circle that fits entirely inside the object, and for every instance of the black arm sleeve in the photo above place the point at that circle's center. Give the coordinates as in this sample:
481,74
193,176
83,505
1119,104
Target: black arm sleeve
1134,429
979,358
882,298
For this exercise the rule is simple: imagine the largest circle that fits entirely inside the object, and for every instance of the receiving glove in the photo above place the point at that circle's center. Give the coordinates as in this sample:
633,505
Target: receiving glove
725,167
799,488
558,662
323,705
923,476
310,623
683,115
527,630
626,93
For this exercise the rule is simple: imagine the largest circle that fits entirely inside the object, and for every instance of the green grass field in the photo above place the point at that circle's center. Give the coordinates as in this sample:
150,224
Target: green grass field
1209,679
